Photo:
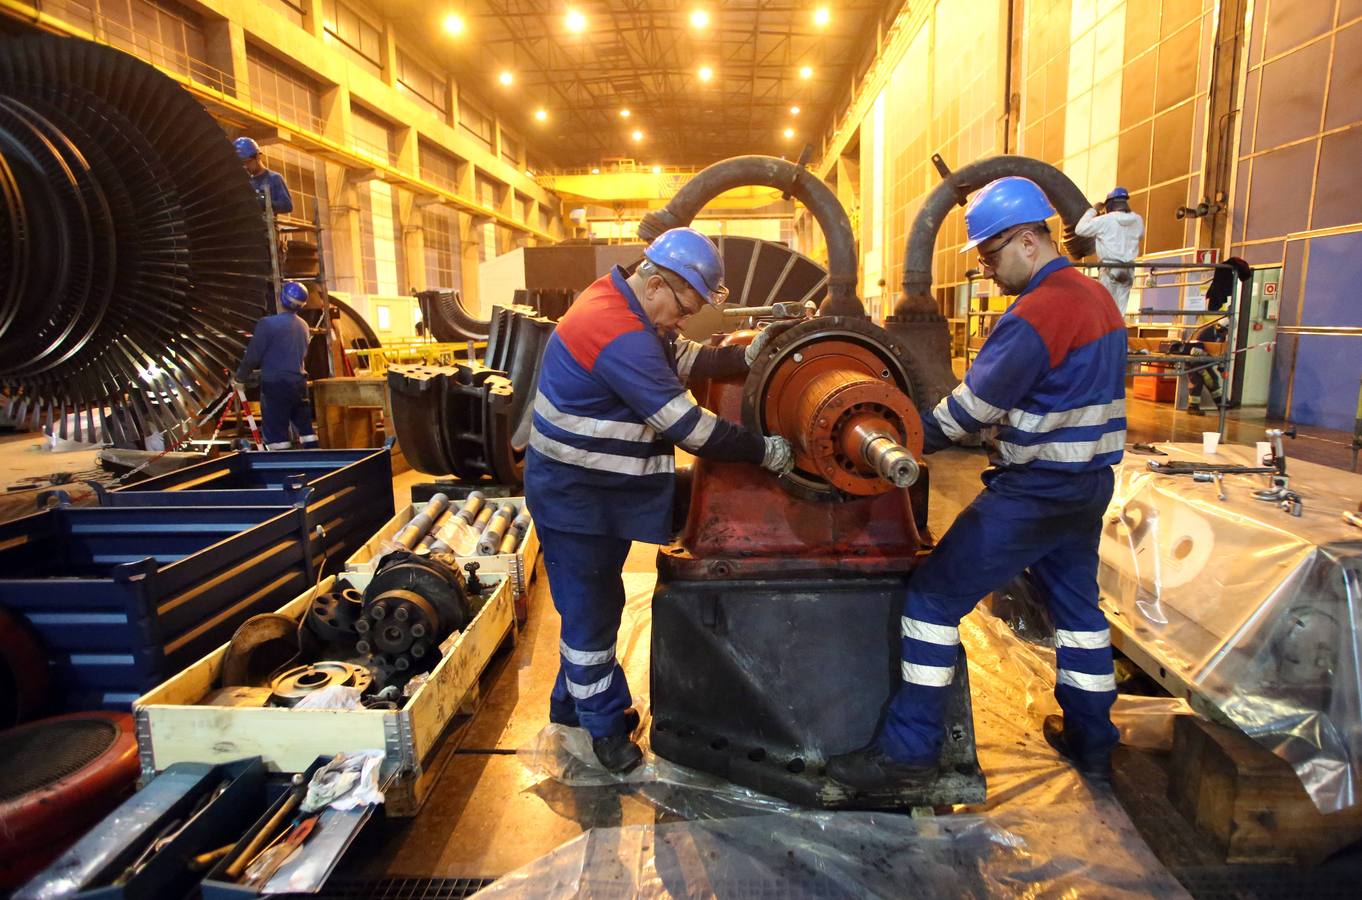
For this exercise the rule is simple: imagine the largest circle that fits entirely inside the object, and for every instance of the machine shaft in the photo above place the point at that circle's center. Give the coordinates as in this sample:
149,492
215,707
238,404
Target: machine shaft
891,459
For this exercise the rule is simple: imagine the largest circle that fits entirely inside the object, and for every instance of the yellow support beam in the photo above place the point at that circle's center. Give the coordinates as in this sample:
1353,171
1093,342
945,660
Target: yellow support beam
645,188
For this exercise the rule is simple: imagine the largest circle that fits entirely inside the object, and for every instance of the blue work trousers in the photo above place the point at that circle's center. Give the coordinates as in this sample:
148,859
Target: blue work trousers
586,578
284,402
1049,522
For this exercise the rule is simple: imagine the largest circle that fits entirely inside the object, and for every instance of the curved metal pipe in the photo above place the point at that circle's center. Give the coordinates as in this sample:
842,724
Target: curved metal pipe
917,262
917,321
794,180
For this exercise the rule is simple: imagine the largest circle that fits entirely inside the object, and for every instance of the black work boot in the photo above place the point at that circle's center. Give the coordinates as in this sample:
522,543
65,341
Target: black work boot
618,753
871,770
1194,409
631,720
1096,766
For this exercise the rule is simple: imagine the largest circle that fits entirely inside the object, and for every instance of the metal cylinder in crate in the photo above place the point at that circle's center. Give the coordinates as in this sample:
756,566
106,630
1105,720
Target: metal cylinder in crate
489,543
421,524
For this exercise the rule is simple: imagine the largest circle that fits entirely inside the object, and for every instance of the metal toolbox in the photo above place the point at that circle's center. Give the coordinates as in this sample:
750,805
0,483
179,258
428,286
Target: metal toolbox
122,598
172,727
348,493
183,810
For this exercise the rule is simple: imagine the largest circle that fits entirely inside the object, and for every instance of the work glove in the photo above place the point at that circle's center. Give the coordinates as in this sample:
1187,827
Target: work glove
758,344
779,456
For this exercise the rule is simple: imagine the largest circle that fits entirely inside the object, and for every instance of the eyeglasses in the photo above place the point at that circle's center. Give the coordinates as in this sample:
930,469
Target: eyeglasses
989,257
681,307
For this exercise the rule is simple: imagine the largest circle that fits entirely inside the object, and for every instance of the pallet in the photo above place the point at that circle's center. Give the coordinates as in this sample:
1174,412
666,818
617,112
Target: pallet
172,726
1249,801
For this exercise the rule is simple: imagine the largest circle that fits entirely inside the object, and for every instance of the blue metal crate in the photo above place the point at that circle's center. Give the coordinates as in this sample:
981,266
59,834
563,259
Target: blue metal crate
347,492
124,597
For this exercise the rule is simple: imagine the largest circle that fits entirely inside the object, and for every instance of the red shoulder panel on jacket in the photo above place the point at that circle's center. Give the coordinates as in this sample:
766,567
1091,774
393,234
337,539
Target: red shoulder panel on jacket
1069,310
598,316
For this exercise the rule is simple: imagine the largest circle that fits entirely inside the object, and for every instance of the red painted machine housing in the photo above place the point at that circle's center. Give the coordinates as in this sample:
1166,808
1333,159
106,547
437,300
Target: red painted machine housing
743,524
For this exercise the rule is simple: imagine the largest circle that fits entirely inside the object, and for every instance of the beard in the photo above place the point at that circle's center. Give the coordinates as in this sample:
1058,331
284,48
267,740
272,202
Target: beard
1007,288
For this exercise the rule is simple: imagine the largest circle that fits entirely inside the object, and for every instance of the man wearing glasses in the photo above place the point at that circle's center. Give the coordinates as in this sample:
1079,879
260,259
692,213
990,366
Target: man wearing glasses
1051,379
611,408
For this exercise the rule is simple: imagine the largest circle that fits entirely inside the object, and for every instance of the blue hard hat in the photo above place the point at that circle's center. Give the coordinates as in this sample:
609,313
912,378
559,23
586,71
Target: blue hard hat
694,257
246,148
1001,204
293,295
1119,193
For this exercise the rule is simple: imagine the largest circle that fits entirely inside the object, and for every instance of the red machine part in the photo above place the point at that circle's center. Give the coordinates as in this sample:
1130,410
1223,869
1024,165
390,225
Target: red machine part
832,400
61,775
742,523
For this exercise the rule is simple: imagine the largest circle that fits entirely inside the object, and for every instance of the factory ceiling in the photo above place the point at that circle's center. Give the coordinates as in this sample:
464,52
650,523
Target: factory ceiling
676,83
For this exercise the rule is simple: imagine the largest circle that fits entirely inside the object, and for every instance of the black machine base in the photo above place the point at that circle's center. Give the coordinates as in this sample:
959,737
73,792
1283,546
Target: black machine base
760,682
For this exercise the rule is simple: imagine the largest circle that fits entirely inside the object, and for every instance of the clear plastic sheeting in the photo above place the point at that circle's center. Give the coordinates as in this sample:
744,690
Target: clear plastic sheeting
829,855
1248,611
1043,832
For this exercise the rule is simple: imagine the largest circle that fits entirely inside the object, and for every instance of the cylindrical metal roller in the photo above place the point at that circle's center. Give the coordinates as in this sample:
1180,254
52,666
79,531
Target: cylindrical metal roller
433,535
421,523
471,507
484,516
515,534
490,541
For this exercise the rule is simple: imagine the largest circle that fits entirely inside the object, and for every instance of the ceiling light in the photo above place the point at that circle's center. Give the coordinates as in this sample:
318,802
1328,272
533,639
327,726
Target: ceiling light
789,132
806,72
454,24
706,73
794,110
576,22
541,114
506,78
637,136
595,171
699,19
821,16
657,170
624,114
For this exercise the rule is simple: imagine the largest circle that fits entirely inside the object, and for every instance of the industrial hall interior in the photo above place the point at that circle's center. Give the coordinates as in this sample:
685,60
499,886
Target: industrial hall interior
680,449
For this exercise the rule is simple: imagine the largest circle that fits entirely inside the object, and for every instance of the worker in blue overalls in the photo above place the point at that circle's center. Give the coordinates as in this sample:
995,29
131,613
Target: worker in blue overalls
1051,379
599,471
278,347
265,182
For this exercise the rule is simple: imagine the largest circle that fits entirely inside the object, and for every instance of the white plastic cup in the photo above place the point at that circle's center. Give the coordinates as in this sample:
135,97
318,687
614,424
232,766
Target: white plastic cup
1210,440
1264,453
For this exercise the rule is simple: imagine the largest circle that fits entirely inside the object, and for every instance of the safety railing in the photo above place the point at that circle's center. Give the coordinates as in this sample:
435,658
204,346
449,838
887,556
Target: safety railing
376,360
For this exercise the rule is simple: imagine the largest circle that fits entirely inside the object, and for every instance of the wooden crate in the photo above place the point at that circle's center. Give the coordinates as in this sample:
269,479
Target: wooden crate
1250,801
518,566
173,727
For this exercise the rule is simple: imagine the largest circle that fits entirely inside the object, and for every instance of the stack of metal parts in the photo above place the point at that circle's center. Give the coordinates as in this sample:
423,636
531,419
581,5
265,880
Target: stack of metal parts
133,253
374,641
473,420
477,527
412,604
